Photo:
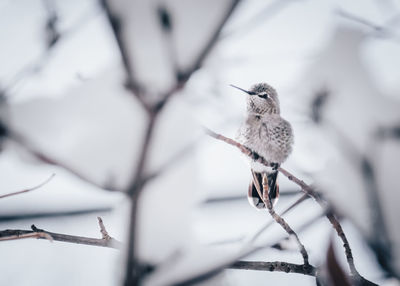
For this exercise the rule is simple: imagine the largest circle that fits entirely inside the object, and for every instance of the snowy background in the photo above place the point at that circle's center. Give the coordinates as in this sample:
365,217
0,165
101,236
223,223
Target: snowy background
70,103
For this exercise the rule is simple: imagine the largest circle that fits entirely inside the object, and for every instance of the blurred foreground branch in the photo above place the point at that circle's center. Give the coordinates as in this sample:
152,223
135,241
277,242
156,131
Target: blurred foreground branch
28,190
138,181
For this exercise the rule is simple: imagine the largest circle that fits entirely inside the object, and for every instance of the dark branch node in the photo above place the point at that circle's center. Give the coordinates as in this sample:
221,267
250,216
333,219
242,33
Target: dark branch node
182,76
3,130
390,132
52,34
35,229
165,19
317,105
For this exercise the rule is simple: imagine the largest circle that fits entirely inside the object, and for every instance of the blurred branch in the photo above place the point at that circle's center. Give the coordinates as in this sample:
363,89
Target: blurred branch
339,230
25,216
379,239
139,179
28,190
388,132
276,266
20,140
379,30
13,234
333,274
53,41
117,28
184,75
223,199
307,189
173,160
52,34
264,14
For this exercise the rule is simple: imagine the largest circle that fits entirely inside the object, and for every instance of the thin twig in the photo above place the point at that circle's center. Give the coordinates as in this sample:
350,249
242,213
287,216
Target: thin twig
265,227
267,201
276,266
103,230
28,190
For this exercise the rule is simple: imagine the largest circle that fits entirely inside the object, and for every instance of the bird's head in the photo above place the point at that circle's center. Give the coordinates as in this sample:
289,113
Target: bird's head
261,99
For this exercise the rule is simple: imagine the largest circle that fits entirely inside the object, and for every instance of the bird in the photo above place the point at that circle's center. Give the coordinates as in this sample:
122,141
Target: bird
266,134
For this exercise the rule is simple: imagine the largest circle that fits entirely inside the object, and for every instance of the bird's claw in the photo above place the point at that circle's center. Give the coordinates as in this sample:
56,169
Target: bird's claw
275,166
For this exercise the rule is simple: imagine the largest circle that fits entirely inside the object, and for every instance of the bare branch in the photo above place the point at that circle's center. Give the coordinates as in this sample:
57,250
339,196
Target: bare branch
276,266
28,190
19,235
12,234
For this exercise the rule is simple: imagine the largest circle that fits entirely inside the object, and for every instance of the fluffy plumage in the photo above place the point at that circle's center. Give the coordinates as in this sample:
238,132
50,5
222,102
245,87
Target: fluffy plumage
267,133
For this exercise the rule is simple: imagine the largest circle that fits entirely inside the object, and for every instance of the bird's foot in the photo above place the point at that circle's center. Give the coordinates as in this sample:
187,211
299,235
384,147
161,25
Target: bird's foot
275,166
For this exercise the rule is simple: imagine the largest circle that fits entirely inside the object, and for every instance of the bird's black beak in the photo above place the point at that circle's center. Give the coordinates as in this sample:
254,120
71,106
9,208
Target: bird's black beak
246,91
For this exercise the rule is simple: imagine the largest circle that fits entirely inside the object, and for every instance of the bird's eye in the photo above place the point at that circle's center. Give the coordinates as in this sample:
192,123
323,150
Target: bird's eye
263,95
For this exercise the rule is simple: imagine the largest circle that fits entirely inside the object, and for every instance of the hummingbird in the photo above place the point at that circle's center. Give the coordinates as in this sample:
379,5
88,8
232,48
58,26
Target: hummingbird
266,133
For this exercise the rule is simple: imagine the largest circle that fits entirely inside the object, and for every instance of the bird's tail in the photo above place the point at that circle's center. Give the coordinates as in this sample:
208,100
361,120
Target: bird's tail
256,187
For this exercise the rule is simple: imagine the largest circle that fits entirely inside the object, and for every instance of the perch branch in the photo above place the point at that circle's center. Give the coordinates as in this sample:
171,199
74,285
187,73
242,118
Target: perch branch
262,229
28,190
304,187
267,201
